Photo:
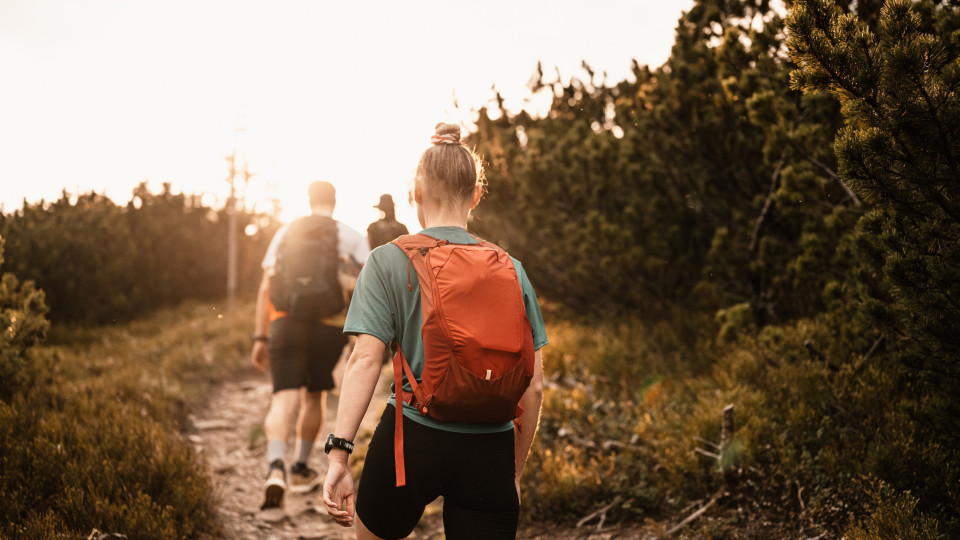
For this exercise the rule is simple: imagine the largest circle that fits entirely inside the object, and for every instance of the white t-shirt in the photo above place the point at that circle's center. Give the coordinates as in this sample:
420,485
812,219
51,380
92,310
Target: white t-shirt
350,244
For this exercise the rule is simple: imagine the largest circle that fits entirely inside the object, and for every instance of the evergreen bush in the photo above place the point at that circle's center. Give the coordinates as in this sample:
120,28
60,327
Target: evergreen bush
101,263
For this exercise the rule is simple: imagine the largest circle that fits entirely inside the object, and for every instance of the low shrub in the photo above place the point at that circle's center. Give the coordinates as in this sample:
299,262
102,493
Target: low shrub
95,440
608,386
88,463
820,411
891,514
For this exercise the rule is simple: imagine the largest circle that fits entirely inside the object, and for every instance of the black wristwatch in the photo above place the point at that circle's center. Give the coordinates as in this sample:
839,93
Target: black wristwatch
337,442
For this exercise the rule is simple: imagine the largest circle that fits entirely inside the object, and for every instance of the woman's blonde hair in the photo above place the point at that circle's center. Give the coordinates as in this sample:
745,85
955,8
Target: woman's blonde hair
449,169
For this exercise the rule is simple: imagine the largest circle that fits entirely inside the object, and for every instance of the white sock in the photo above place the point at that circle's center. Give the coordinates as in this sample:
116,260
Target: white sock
276,450
303,450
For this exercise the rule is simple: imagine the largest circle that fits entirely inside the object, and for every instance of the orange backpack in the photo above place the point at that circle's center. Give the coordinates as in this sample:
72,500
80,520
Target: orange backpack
477,342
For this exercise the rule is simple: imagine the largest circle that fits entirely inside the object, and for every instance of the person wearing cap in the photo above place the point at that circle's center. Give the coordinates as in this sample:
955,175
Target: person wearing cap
300,356
387,227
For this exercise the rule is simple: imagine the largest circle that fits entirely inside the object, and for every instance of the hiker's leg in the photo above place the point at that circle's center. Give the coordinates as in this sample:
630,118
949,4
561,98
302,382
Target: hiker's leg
313,411
363,533
469,524
324,346
482,502
277,426
283,409
390,511
288,372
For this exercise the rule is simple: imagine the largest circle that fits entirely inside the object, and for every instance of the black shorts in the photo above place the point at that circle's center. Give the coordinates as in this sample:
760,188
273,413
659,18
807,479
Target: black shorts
303,354
474,473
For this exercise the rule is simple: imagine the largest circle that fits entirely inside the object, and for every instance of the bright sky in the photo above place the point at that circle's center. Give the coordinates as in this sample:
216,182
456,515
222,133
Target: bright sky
103,94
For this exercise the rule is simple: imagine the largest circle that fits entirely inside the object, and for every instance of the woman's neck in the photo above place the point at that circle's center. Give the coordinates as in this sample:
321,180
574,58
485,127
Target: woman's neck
442,221
435,215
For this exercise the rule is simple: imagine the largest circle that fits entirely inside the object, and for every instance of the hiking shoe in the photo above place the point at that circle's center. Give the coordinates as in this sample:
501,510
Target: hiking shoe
275,485
303,479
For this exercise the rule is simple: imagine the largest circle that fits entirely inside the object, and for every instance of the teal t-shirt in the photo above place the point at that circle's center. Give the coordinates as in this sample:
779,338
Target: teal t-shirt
383,307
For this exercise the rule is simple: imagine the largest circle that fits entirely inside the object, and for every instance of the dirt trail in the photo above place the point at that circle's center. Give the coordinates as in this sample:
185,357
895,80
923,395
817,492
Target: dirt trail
228,434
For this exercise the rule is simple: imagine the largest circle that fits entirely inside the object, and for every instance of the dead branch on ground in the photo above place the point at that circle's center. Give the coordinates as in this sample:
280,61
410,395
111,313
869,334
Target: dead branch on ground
699,512
601,513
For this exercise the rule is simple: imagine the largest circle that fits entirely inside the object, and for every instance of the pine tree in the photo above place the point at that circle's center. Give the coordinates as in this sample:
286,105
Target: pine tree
705,181
900,150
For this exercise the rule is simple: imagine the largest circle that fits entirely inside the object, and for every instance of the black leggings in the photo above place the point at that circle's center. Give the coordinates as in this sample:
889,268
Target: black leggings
474,473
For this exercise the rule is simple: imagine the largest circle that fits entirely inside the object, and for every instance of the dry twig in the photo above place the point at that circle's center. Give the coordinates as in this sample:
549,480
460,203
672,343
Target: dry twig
712,444
601,513
707,453
699,512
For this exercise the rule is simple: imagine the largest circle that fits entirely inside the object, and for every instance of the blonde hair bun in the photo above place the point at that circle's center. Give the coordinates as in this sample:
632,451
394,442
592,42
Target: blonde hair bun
447,131
450,170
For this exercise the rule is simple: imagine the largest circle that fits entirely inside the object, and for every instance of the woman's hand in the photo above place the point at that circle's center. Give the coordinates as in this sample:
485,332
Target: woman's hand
339,494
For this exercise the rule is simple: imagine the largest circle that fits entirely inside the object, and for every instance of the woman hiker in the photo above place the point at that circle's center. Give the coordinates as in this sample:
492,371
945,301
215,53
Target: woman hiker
475,465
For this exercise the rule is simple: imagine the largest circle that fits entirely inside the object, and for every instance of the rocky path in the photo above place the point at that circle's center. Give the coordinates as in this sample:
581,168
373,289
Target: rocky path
228,434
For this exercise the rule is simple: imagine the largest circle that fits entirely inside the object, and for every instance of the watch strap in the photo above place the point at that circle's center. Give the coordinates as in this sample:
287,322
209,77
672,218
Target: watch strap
337,442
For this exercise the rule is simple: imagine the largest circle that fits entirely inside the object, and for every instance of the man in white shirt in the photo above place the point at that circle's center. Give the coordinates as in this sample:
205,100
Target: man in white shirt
299,340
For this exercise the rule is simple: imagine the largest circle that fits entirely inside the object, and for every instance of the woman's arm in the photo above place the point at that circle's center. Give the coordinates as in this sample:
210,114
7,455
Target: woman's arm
530,419
359,383
356,390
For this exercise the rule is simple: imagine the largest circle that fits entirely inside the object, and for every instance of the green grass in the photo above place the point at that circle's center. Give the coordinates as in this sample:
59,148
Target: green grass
96,440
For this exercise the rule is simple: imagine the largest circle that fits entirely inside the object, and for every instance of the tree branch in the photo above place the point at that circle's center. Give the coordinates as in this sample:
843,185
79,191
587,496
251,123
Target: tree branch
767,205
830,172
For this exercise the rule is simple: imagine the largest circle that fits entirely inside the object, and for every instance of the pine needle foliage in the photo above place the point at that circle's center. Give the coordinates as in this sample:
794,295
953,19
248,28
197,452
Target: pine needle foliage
897,80
900,148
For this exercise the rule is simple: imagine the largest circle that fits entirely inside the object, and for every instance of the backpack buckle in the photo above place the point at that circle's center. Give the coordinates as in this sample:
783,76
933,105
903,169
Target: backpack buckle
421,407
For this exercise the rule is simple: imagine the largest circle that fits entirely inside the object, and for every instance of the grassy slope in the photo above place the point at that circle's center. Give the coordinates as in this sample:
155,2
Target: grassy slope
96,442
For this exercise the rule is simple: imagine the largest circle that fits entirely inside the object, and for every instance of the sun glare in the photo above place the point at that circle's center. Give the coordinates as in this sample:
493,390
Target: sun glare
299,90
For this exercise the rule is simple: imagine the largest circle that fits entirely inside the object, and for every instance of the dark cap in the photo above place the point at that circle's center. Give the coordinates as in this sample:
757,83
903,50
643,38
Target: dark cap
386,201
322,193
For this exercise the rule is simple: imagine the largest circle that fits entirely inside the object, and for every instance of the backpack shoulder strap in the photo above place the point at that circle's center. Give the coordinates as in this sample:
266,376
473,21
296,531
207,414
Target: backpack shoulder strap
412,244
416,247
